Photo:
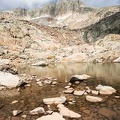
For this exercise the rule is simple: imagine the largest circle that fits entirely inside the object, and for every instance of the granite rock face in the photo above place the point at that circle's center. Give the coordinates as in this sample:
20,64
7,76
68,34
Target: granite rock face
64,31
108,25
20,12
64,6
91,23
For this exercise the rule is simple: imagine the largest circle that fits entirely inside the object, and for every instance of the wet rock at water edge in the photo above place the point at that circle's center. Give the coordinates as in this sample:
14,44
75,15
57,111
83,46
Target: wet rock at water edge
106,90
56,100
54,83
66,112
54,116
93,99
9,80
69,91
88,89
117,97
94,92
37,111
79,93
47,81
16,112
117,60
41,63
21,84
15,101
49,112
75,78
40,83
24,116
67,87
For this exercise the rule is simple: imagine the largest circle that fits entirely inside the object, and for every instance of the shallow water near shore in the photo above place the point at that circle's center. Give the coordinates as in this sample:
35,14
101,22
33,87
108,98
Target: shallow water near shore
108,73
31,97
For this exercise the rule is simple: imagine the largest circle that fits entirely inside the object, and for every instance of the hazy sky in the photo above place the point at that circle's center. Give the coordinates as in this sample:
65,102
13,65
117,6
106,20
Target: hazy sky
101,3
11,4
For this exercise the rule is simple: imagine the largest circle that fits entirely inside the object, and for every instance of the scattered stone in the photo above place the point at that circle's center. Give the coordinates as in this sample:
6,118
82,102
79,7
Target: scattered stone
57,100
18,89
71,103
9,80
106,112
24,116
37,111
38,80
54,116
77,82
94,92
79,92
16,112
41,63
117,97
54,83
88,89
21,83
15,101
93,99
75,78
69,91
40,83
49,112
47,81
67,113
69,84
85,93
105,90
27,85
67,87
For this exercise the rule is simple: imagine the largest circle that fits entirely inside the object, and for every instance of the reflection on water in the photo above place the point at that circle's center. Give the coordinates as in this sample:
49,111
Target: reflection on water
108,72
32,97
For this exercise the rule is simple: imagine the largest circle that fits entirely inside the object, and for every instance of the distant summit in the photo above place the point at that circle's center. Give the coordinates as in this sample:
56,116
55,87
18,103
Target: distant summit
64,6
93,23
52,8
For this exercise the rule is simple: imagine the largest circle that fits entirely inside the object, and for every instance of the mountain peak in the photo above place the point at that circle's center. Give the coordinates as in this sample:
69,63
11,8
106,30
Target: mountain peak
63,6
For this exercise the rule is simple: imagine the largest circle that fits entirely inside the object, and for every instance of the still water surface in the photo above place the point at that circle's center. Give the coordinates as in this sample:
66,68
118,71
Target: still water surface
31,97
108,73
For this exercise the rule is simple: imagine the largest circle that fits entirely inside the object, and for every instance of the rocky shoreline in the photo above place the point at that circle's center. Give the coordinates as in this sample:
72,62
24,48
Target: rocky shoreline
48,98
50,35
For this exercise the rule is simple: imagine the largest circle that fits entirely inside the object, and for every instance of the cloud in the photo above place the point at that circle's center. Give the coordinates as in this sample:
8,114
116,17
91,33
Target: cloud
101,3
12,4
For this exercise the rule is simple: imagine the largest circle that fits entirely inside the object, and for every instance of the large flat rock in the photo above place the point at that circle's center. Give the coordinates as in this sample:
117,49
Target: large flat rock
37,111
67,113
93,99
56,100
105,90
54,116
75,78
9,80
